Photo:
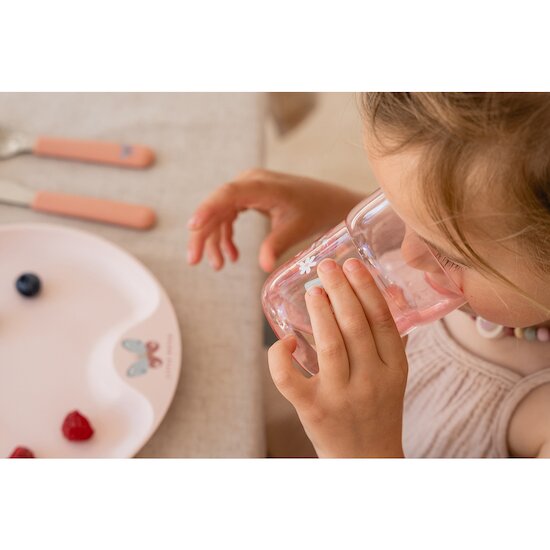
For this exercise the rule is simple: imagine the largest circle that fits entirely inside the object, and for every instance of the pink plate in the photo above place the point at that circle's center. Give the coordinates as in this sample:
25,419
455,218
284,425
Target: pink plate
101,337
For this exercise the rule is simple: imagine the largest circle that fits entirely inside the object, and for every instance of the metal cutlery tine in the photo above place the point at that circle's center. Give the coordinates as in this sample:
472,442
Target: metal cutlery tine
12,143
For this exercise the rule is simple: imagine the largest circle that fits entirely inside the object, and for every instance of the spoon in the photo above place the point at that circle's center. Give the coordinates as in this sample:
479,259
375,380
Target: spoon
129,156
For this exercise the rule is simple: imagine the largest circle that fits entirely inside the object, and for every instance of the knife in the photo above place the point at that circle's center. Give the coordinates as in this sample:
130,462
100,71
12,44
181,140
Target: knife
124,214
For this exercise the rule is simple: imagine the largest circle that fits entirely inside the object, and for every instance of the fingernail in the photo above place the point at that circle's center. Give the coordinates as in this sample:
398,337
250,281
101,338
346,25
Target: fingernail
353,264
288,337
190,256
327,265
313,282
315,291
192,223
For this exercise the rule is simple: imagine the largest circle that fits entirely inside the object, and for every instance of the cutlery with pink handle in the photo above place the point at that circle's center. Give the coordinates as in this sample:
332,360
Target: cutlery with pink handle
129,156
134,216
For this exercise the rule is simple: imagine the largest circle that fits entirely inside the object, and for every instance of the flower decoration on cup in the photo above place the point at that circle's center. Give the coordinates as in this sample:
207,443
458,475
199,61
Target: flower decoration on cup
306,265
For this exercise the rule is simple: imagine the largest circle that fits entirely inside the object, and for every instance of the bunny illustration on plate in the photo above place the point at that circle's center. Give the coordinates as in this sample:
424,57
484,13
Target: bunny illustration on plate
146,356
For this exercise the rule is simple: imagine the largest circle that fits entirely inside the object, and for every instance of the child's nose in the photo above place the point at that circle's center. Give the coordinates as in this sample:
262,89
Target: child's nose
417,254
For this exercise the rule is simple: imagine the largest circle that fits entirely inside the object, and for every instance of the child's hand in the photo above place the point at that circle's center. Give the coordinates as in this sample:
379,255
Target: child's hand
297,208
353,407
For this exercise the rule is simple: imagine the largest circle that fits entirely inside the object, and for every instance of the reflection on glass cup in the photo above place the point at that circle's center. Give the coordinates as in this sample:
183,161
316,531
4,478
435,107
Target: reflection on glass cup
416,287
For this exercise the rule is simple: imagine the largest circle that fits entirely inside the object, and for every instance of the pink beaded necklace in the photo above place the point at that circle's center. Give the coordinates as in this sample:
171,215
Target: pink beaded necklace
492,330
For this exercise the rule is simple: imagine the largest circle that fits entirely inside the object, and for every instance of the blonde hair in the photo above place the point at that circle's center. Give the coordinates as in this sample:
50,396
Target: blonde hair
472,143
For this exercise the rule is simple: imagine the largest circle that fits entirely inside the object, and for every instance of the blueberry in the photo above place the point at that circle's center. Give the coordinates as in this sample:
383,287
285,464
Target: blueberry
28,285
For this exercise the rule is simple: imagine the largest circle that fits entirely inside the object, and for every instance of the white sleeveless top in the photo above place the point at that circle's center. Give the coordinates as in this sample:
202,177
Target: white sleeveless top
456,404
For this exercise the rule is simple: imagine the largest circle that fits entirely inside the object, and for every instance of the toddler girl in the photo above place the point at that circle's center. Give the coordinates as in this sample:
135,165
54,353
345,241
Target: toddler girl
469,173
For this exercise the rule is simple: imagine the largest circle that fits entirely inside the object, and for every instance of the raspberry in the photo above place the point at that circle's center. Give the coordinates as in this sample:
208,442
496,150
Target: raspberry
76,427
21,452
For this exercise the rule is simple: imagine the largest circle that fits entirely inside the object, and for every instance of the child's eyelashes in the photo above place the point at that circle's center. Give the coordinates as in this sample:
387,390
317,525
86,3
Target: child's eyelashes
447,262
443,259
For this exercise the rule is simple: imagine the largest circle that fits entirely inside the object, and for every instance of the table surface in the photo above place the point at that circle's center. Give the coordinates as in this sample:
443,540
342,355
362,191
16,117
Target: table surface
201,141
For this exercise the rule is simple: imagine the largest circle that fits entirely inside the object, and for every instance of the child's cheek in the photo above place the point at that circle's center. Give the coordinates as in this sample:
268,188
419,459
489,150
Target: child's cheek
498,304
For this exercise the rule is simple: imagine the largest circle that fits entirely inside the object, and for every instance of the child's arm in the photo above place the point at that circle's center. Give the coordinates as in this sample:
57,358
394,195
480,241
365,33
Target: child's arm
529,430
354,406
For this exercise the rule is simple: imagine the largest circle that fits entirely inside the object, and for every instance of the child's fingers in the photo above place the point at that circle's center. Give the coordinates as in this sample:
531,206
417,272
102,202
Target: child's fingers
329,344
266,258
215,257
199,236
223,206
350,316
195,247
386,336
229,199
207,218
227,242
216,208
295,387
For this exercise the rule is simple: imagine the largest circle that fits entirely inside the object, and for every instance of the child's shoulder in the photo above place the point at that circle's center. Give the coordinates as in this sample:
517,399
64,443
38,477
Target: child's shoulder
529,427
521,370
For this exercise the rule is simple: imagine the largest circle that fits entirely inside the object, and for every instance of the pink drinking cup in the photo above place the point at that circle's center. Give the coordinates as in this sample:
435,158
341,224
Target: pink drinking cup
416,287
